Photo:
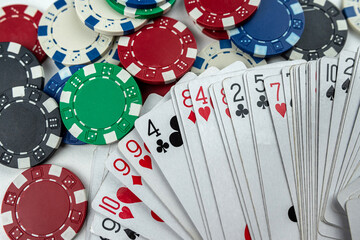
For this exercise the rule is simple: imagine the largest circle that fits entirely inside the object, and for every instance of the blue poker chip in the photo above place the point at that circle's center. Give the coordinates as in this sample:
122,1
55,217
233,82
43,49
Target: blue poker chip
54,88
275,28
142,4
67,40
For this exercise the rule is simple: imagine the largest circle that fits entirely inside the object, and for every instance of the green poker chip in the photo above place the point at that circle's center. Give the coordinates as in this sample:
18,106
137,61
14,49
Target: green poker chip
141,13
100,103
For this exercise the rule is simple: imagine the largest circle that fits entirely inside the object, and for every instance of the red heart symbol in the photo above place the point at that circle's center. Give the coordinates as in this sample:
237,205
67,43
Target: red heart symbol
125,213
281,108
156,217
227,111
126,196
146,162
205,112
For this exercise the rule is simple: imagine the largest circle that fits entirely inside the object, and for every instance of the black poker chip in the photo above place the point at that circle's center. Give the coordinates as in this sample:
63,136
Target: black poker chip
30,127
19,67
325,31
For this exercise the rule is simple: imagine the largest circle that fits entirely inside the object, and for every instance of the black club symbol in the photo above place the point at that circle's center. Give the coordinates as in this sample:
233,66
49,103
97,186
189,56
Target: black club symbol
262,103
175,137
242,111
162,146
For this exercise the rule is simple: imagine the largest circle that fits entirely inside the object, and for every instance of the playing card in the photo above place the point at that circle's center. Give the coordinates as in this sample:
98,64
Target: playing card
352,210
108,228
282,219
119,166
216,158
193,150
160,131
346,194
117,202
134,149
229,140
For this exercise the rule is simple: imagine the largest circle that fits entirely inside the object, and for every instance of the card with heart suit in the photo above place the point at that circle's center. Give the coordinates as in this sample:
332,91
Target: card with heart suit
275,149
118,203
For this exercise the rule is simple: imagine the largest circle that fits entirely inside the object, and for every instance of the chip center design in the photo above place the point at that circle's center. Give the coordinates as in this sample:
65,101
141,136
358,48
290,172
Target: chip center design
101,112
79,34
42,201
165,49
259,29
13,72
26,129
24,31
319,30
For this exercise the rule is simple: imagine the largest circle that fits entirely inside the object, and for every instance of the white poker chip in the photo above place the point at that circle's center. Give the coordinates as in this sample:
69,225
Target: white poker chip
352,13
66,40
111,56
221,54
100,17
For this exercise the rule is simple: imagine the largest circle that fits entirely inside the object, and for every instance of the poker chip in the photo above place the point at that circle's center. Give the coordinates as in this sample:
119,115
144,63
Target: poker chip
19,23
142,13
221,54
100,103
261,37
352,13
325,31
215,34
44,202
66,40
30,127
161,52
111,56
142,4
54,89
100,17
220,15
19,67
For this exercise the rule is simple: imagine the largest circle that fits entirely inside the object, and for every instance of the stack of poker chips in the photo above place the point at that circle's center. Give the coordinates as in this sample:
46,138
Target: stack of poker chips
295,29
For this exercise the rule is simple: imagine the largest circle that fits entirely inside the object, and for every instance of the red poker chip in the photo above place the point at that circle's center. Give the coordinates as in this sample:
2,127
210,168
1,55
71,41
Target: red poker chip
160,53
44,202
215,34
220,14
19,23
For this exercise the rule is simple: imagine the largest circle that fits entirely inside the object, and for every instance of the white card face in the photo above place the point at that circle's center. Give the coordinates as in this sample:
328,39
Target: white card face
193,145
229,139
346,193
160,131
327,81
239,112
282,224
352,209
139,157
217,162
347,125
117,202
151,101
119,166
108,228
279,112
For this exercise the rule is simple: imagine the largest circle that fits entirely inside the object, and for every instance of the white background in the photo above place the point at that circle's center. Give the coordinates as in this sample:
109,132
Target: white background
78,158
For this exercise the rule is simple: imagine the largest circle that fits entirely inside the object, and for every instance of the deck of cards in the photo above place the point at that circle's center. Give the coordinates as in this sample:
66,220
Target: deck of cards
270,152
